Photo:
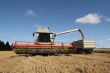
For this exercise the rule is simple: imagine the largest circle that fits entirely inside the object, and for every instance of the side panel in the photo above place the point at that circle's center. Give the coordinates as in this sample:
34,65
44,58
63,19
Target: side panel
85,44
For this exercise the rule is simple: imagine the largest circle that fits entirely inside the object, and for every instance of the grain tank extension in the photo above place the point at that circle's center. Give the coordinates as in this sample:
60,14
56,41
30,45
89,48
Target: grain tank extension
45,44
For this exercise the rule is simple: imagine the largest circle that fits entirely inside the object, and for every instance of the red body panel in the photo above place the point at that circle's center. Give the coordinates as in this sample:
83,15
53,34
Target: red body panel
44,45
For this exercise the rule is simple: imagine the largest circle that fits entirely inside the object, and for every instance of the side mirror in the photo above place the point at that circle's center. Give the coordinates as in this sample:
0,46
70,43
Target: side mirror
33,34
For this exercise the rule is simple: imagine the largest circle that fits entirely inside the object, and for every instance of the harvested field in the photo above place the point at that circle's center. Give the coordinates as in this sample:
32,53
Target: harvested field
74,63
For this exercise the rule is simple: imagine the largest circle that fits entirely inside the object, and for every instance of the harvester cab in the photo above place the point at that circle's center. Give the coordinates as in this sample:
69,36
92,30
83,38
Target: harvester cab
46,37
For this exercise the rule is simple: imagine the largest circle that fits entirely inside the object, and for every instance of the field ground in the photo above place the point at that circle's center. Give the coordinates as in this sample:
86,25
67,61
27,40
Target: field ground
74,63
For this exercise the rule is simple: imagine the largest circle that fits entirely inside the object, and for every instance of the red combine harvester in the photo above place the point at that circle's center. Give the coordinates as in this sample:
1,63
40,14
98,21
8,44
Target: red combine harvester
45,44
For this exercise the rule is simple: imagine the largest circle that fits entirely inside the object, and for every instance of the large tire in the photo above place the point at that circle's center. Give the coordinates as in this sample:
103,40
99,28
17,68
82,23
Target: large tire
84,51
79,51
88,51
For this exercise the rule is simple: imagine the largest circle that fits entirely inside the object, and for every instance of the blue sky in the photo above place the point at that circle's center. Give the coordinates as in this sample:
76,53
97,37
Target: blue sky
20,18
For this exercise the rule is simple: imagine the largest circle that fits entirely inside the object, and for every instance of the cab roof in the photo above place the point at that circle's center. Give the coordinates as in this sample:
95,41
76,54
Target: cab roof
46,32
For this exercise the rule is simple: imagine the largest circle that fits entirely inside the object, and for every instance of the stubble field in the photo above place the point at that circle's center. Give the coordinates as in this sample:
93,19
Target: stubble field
73,63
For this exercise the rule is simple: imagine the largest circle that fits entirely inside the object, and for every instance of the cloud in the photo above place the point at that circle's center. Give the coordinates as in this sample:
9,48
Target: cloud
107,19
91,18
36,25
41,28
108,39
31,13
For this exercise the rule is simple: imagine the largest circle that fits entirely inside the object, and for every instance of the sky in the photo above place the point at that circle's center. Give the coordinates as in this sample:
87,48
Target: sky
20,18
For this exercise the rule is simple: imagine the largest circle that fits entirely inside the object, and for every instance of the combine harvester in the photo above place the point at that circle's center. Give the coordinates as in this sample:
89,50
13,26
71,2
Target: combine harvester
45,44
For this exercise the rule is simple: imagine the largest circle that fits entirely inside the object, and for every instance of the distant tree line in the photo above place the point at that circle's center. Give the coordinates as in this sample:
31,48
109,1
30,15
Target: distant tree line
5,46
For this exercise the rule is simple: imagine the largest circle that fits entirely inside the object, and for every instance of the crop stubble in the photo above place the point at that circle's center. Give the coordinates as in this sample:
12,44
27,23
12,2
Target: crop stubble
74,63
